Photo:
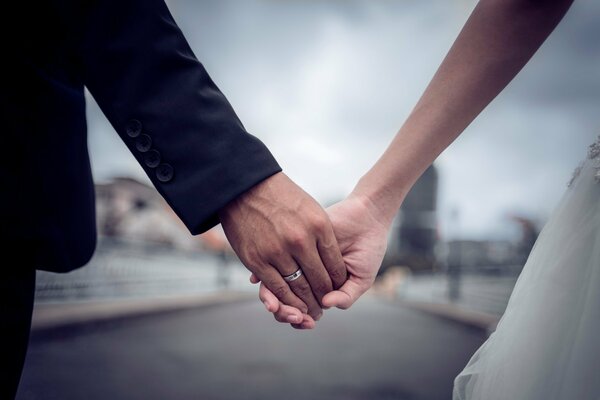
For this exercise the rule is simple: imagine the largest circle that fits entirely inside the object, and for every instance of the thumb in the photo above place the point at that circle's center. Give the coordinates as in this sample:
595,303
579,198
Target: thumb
343,298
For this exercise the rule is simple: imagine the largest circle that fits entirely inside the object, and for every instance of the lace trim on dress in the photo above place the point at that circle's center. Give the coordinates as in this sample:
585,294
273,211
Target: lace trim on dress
575,175
594,155
594,151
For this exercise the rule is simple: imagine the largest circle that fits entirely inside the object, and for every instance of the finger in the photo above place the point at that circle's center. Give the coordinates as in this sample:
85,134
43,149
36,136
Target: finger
271,302
288,315
300,286
273,305
315,272
281,312
346,295
331,256
303,290
279,287
307,323
269,298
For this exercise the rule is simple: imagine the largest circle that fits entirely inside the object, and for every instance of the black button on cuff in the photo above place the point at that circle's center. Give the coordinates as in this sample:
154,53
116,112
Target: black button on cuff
164,172
152,158
143,143
133,128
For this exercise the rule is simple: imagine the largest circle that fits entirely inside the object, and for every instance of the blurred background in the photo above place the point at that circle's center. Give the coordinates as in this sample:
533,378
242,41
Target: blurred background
325,85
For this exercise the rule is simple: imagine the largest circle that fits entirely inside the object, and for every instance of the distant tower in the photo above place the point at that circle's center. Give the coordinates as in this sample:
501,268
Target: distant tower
414,234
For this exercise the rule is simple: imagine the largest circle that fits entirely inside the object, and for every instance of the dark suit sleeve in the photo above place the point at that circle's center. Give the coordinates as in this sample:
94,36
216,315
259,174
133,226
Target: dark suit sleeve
161,101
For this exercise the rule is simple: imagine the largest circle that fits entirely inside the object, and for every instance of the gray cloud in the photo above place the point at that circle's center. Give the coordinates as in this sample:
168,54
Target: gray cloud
326,85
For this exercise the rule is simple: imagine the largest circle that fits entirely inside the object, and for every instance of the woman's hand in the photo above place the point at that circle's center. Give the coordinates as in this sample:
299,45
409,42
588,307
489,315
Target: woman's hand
495,43
362,239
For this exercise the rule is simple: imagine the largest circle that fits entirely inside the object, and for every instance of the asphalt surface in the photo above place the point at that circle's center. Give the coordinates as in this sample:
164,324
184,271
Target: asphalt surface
374,351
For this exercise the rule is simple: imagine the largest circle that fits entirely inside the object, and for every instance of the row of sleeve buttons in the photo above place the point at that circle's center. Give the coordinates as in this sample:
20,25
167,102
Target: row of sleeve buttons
152,158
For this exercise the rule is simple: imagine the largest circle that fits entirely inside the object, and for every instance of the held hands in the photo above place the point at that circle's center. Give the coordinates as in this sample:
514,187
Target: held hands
362,240
276,228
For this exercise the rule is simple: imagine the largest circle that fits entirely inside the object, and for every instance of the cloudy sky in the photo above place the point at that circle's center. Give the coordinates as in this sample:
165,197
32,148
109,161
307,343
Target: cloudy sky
326,85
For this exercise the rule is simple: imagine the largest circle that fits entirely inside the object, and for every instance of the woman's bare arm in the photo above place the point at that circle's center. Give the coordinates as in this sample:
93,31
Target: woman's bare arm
498,39
496,42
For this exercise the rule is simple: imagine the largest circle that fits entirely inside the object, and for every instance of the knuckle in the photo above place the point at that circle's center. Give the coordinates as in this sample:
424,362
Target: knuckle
330,246
304,290
323,289
280,291
250,256
277,253
338,273
319,222
297,239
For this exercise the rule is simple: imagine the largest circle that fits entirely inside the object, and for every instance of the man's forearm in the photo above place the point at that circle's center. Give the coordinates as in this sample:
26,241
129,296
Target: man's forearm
164,105
498,39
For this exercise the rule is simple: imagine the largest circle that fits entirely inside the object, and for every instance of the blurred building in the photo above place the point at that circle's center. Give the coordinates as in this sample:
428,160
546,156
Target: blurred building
481,255
529,234
492,256
131,210
414,235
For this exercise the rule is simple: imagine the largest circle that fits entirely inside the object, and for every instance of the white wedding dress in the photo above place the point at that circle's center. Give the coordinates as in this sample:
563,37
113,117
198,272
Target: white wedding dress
547,344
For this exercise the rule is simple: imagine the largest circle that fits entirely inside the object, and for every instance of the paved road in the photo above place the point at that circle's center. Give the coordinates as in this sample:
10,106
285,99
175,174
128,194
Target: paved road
375,351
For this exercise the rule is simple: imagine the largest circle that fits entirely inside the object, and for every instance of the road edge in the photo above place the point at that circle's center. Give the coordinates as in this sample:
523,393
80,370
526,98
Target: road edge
56,317
476,319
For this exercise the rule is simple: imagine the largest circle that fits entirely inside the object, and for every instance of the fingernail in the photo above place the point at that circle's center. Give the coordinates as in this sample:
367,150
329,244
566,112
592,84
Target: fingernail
307,325
294,319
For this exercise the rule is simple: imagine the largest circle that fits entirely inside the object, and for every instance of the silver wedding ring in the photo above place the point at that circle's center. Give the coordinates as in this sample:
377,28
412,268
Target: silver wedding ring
293,276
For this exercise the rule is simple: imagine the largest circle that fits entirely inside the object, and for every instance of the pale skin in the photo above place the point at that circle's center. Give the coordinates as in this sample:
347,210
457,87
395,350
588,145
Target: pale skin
496,42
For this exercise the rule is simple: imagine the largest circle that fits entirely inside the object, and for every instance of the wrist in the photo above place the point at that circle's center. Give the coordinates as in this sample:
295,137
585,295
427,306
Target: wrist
380,202
253,197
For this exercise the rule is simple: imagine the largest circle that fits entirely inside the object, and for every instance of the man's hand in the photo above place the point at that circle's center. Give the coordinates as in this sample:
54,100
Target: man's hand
276,228
362,237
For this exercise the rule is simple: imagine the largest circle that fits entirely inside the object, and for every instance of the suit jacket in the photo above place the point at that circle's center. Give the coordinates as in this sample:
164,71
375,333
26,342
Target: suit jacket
136,63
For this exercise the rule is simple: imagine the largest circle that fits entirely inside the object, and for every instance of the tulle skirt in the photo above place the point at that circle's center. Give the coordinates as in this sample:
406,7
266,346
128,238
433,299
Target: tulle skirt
547,344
